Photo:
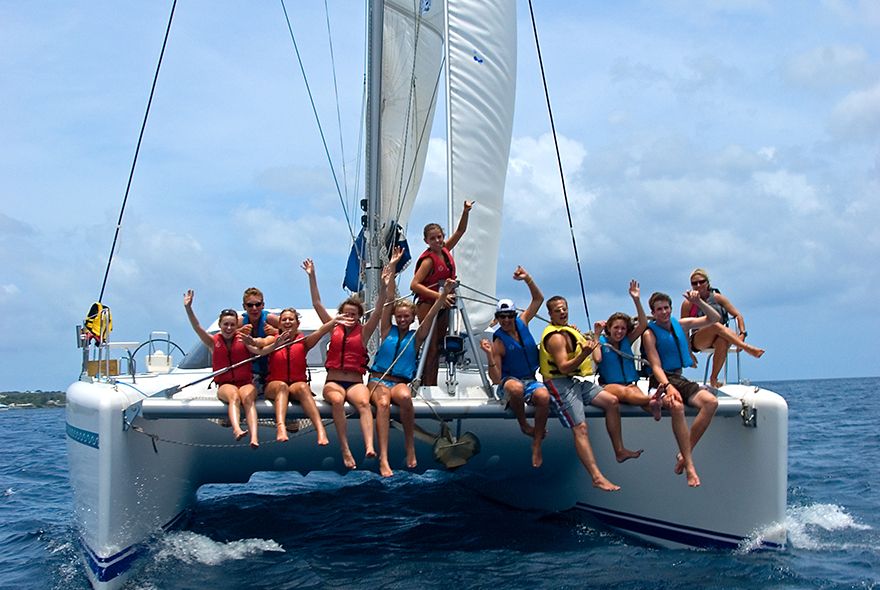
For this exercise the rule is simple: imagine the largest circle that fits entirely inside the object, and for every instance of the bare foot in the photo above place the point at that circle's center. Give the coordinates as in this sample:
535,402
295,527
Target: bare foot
655,408
757,353
603,484
693,478
625,454
385,469
370,454
323,441
411,462
348,460
679,464
255,444
239,434
527,429
715,383
281,433
537,456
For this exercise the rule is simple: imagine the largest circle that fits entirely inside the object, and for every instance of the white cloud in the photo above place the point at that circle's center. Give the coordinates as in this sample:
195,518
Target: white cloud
857,116
830,66
794,189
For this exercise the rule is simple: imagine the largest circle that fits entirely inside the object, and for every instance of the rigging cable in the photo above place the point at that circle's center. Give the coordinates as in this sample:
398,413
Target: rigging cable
317,119
559,162
137,150
336,95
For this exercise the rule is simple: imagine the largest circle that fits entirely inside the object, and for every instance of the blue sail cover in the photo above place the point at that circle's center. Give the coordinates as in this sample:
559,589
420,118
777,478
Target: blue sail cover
352,280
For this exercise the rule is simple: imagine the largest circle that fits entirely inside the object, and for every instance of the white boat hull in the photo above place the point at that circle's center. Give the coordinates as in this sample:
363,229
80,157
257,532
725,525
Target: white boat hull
133,482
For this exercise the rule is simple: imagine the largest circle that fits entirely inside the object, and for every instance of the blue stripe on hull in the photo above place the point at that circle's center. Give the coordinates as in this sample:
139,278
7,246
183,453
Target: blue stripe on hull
669,531
86,437
107,568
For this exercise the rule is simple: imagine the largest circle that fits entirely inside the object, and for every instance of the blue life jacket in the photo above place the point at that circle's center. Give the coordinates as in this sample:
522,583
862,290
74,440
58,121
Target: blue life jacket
614,368
520,358
260,365
671,346
391,347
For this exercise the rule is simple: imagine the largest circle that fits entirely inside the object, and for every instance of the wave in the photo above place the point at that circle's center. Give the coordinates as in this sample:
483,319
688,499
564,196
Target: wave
808,526
191,547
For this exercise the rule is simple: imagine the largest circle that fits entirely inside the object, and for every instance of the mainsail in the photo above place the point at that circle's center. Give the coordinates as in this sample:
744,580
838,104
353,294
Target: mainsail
481,56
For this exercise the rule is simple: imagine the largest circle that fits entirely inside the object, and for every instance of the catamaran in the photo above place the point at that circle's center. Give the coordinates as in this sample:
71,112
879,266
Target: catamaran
141,443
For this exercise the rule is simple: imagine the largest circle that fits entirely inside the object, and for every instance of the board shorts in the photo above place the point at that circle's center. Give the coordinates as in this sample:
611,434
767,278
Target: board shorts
686,388
530,386
570,398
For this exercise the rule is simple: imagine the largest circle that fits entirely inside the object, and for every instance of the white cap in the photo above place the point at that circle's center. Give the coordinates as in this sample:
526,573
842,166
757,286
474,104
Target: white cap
505,305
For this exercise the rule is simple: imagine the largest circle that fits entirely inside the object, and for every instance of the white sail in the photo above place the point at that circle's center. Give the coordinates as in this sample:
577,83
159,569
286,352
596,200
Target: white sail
482,81
412,59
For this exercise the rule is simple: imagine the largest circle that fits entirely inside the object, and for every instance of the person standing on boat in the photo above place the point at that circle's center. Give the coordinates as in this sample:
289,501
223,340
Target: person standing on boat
347,360
665,346
287,372
258,323
513,363
235,387
563,354
716,336
433,266
394,368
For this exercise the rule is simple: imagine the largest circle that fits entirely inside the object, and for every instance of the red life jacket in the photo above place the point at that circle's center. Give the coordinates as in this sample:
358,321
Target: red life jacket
223,356
288,364
347,351
443,268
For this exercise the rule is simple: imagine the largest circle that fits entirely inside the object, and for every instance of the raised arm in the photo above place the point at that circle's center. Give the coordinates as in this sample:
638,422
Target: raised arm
462,226
711,314
371,324
312,339
194,322
642,323
440,303
597,352
556,347
309,266
531,311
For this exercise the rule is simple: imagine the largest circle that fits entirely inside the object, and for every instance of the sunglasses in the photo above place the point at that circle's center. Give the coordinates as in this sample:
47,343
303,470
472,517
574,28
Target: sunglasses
698,283
254,305
507,316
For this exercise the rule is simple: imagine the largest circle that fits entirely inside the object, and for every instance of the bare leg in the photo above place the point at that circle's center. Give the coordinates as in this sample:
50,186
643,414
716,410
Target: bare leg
515,392
248,395
229,393
335,395
541,401
302,393
673,403
381,397
585,454
401,396
707,404
358,396
278,392
609,403
719,357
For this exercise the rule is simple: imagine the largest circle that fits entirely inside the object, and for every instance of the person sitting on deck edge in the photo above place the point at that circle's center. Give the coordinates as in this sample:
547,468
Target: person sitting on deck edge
513,363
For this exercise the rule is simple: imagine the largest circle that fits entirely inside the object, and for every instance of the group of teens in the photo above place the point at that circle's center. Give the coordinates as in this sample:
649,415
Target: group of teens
564,357
281,369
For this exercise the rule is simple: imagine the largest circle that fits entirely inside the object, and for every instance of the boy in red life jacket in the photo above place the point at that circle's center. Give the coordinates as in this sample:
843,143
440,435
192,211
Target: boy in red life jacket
434,266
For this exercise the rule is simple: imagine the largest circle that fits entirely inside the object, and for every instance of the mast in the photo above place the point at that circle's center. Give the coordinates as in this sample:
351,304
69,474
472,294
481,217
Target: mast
371,262
446,76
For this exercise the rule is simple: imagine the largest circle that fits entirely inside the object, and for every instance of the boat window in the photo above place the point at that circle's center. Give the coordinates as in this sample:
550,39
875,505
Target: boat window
198,357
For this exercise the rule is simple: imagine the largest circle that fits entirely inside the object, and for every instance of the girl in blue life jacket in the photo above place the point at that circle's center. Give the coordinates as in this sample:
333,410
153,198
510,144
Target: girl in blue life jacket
395,367
618,373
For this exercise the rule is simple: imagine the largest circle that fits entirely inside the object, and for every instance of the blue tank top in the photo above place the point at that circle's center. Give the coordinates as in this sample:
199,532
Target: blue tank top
520,358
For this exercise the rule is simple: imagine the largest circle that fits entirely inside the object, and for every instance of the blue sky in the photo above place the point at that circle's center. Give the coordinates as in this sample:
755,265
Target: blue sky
742,136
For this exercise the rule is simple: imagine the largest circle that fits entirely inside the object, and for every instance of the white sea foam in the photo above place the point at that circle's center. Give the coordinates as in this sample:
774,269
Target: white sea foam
191,547
8,492
804,526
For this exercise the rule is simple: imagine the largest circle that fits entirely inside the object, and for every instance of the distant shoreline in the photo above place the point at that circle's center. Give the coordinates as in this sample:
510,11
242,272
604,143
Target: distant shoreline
32,400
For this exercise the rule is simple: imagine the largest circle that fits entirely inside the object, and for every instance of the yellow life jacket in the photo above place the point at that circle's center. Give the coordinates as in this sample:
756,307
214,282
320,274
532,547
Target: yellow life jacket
94,322
549,370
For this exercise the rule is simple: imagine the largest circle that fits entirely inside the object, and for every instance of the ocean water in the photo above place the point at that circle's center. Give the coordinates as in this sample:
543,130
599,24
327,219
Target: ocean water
357,531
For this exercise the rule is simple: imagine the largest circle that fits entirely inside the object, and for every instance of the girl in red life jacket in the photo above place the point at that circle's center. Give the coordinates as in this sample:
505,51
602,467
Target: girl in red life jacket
347,361
434,266
287,372
235,387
